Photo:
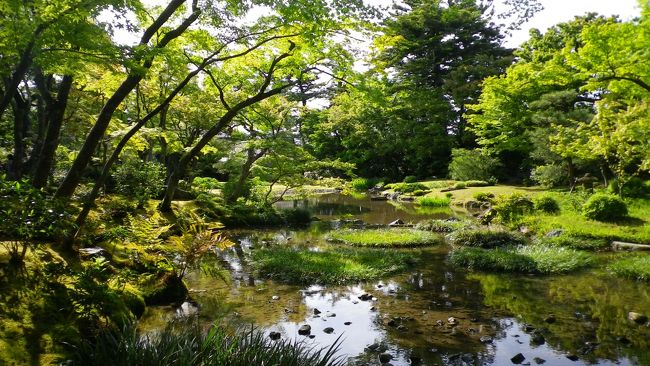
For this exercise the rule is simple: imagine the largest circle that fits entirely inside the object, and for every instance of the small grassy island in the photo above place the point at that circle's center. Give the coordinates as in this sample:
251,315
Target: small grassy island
323,183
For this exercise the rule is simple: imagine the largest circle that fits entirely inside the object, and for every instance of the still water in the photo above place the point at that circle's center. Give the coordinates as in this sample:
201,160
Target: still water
433,314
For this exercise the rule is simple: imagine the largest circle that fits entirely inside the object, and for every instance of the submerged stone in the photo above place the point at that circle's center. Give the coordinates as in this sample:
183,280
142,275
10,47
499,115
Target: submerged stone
518,358
305,329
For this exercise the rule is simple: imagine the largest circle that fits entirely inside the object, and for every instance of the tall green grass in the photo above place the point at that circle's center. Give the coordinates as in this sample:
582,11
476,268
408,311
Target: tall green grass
385,238
185,343
432,201
486,238
636,267
329,267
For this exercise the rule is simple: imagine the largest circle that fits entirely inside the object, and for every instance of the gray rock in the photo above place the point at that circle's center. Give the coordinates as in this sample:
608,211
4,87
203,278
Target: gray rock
385,357
518,358
316,311
373,347
305,329
637,317
275,297
554,233
330,315
539,361
365,297
397,222
275,335
452,321
486,339
347,323
328,330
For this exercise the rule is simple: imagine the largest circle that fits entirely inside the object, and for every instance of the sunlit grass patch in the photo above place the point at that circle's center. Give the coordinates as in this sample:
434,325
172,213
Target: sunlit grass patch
575,242
636,267
385,238
487,238
329,267
524,259
434,201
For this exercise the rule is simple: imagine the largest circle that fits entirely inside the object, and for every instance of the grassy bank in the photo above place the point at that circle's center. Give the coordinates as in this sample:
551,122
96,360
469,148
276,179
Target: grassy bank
525,259
329,267
393,238
636,267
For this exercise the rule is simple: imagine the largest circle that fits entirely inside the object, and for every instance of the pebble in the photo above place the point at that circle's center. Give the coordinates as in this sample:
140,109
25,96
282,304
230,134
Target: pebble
275,335
305,329
328,330
275,297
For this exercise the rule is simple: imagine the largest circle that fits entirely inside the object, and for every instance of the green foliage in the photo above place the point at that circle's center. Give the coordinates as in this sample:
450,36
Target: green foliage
407,187
385,238
546,203
364,184
206,184
478,183
551,175
188,343
467,165
483,196
432,201
524,259
577,242
342,265
28,216
511,207
460,185
636,267
442,226
486,238
605,207
410,179
633,188
140,180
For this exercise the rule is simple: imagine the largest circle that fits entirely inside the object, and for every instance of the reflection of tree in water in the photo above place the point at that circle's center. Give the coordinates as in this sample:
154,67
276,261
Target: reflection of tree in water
591,311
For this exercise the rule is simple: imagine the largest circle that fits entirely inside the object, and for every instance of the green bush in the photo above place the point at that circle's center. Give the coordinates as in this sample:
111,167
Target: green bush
205,184
460,185
141,180
485,238
442,226
296,216
477,183
634,188
407,187
483,196
364,184
469,165
547,204
510,207
549,175
434,201
604,207
410,179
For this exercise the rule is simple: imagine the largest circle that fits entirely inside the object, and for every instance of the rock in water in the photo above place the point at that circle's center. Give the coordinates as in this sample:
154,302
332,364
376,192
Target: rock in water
539,361
304,330
385,357
518,358
274,335
397,222
328,330
637,317
316,311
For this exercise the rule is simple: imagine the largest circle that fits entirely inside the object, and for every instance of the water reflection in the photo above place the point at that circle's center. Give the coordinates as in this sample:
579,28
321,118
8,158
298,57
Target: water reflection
434,313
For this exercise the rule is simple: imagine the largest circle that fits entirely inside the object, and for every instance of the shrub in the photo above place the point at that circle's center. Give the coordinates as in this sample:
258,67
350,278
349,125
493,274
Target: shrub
460,185
434,201
484,238
385,237
549,175
604,207
407,187
472,165
205,184
634,188
364,184
410,179
483,196
296,216
547,204
512,206
140,180
477,183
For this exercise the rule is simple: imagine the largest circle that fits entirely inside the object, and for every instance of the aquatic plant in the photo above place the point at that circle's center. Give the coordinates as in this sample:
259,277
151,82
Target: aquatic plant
186,343
385,238
329,267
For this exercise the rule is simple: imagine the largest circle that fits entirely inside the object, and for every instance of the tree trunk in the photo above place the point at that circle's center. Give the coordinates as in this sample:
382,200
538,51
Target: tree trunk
21,119
39,137
72,178
251,158
55,115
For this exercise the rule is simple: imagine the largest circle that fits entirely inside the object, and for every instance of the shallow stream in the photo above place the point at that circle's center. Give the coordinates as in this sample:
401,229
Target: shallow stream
434,313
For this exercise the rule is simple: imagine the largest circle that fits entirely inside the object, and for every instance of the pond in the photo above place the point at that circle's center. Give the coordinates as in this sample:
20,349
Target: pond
433,314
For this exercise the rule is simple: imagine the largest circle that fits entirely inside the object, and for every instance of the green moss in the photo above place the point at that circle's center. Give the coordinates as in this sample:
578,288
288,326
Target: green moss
329,267
385,238
526,259
636,267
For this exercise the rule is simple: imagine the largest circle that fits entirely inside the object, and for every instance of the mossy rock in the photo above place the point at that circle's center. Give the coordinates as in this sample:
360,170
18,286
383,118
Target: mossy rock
169,289
134,301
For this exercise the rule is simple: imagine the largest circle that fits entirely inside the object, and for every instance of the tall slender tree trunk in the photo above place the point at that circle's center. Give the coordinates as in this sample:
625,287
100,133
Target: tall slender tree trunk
245,172
21,119
56,113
